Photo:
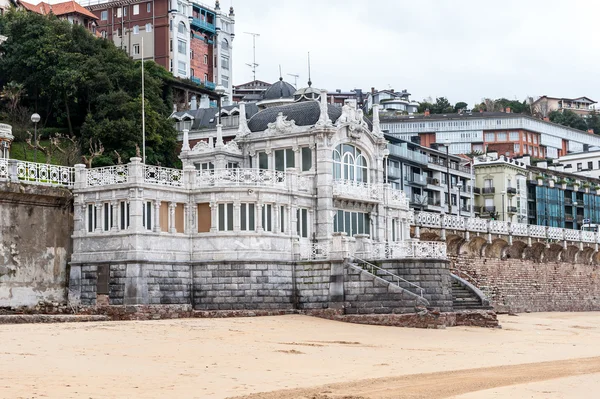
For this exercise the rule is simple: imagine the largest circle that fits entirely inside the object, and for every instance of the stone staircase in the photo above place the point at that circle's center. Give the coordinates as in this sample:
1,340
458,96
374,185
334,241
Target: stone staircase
465,299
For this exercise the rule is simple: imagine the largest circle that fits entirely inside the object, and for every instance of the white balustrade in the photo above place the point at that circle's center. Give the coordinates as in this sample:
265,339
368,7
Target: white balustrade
555,233
571,235
498,227
397,197
518,229
409,249
38,173
314,251
430,249
241,177
107,175
3,168
537,231
588,236
453,222
428,219
163,176
477,224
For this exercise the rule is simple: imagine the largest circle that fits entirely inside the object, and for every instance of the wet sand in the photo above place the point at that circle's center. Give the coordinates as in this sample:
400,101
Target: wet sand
535,355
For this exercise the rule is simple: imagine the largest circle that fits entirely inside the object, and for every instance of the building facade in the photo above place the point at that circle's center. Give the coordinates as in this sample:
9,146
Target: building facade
504,132
191,40
582,163
582,106
391,101
501,189
427,176
68,10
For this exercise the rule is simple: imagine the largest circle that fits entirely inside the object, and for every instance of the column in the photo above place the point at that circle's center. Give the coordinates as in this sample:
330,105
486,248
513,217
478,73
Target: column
237,216
98,217
258,215
288,220
276,219
115,215
187,218
213,217
156,227
172,206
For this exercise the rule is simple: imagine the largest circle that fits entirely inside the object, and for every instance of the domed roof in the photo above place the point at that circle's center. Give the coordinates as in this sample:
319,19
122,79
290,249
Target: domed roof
304,113
307,93
279,89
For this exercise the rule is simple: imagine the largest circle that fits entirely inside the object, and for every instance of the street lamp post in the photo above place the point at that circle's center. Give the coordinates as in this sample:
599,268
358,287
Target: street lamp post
35,118
503,193
574,215
446,143
459,185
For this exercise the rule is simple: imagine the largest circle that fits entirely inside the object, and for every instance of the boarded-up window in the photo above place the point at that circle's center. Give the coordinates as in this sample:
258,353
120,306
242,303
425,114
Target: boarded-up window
179,224
204,221
164,216
103,278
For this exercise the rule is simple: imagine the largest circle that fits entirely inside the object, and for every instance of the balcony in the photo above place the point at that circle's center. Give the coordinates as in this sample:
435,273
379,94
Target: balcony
568,217
433,201
433,181
416,179
476,190
208,84
488,209
465,208
511,209
477,209
568,201
405,153
511,190
203,25
489,190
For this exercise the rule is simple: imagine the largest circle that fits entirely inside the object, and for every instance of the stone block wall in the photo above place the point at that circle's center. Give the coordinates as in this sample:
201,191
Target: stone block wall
89,282
312,284
432,276
243,285
364,294
515,285
169,284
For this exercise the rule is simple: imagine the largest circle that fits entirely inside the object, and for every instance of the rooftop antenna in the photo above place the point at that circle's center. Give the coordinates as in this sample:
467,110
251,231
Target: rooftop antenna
280,74
309,81
295,76
254,64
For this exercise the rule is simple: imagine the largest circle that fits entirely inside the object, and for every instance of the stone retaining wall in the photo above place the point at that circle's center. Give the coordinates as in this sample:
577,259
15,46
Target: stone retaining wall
516,285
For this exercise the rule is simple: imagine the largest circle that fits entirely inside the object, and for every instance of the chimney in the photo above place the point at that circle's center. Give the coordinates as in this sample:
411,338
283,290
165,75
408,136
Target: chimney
427,112
590,131
546,119
508,110
372,90
193,104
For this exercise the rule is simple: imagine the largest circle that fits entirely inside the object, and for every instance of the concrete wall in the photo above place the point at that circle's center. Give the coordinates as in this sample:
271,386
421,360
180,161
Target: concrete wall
35,243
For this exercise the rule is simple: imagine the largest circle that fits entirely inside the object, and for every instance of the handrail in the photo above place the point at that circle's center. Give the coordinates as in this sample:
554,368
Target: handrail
374,267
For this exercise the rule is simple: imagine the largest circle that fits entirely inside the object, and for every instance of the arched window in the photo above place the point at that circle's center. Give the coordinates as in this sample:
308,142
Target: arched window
181,28
350,164
225,44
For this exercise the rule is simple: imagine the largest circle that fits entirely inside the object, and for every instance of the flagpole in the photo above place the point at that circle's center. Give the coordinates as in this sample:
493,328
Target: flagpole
143,110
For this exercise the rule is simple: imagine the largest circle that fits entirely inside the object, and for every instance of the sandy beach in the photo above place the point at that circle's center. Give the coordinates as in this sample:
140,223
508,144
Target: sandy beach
537,355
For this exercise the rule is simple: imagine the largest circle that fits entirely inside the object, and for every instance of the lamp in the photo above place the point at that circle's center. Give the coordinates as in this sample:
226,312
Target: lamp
459,185
35,118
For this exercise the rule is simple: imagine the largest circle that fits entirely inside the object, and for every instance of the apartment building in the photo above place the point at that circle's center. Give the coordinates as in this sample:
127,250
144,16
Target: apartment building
191,40
501,189
507,133
427,176
585,163
391,101
582,106
68,10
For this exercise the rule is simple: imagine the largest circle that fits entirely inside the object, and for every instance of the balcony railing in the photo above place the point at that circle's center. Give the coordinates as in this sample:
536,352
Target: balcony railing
476,190
489,209
511,190
433,181
489,190
416,178
405,153
36,173
511,209
433,201
203,25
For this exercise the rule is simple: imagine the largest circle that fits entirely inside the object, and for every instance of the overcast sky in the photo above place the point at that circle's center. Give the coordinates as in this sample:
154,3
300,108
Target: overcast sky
464,50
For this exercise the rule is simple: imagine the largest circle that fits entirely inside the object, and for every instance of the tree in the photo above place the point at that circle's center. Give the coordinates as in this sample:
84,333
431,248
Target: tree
87,87
568,118
460,106
442,106
593,122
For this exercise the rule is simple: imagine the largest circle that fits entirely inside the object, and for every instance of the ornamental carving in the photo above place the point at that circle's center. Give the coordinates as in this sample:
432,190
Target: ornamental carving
232,147
353,119
281,125
201,146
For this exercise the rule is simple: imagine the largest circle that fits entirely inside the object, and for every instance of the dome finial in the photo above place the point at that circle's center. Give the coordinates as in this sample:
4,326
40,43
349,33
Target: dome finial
309,81
280,74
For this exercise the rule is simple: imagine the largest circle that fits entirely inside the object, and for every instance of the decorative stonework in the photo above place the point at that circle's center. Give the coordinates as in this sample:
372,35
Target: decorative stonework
281,125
